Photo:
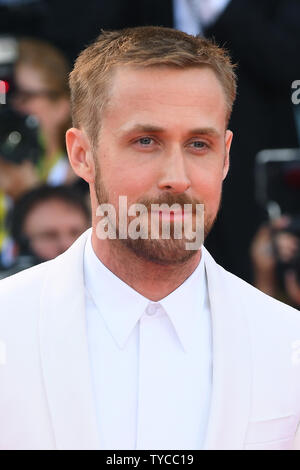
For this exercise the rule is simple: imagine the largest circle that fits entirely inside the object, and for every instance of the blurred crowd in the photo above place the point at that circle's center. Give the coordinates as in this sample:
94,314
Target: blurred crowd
44,207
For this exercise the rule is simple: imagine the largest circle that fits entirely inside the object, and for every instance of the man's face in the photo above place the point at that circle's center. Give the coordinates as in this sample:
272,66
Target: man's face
163,139
31,97
52,226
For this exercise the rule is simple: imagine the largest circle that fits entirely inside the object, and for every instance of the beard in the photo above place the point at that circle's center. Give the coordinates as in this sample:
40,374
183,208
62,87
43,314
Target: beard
161,251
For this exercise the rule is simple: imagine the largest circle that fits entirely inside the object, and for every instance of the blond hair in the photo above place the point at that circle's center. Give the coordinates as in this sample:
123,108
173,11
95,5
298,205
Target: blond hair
144,46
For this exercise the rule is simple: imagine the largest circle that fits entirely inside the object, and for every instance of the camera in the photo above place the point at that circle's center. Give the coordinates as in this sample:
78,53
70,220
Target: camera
277,186
18,132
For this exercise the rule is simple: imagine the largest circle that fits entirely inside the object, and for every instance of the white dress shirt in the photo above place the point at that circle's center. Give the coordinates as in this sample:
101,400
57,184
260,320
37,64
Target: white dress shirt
151,362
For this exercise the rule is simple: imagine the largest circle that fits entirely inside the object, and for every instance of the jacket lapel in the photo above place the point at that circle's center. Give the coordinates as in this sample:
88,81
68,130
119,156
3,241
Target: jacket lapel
64,352
232,374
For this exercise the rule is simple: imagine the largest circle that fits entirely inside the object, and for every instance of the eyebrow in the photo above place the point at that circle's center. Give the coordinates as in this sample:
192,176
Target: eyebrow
149,128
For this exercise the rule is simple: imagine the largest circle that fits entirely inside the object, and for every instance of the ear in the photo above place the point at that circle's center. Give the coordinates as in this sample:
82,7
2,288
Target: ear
80,154
228,140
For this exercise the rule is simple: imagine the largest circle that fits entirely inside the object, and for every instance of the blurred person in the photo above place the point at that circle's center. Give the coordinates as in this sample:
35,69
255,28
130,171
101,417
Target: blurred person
47,220
41,89
19,152
275,246
157,345
17,178
44,223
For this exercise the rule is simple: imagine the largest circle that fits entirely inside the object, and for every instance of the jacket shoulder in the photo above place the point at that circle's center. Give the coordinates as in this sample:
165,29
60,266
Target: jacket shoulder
20,293
25,280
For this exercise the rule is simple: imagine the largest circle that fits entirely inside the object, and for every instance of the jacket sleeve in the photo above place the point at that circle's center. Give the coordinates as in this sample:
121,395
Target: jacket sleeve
296,444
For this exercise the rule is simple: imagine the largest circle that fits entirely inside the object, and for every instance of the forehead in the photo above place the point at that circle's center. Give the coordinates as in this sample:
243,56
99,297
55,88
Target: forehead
49,211
28,75
165,93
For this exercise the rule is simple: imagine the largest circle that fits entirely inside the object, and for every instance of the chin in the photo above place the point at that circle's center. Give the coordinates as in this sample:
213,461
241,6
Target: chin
162,252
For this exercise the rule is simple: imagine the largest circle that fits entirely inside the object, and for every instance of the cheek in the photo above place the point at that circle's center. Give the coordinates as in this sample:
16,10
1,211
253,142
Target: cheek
33,107
208,188
132,183
139,183
6,178
40,108
44,250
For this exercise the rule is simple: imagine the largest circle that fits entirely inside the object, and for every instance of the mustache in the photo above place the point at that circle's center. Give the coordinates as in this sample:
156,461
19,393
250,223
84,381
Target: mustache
170,199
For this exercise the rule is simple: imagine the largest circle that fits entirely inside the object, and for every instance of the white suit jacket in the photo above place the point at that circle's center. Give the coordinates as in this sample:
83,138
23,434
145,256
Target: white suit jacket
46,398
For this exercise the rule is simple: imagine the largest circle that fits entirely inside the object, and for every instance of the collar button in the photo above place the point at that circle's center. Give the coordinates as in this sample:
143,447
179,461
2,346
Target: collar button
152,309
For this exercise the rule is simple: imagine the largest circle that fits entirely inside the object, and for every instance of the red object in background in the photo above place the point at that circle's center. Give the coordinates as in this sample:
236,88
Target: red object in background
292,178
4,86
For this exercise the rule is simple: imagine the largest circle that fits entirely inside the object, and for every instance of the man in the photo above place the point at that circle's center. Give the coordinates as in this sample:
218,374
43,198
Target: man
145,342
44,223
47,220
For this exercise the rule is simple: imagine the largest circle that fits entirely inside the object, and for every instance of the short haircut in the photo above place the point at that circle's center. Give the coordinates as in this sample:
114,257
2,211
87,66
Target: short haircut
144,46
39,195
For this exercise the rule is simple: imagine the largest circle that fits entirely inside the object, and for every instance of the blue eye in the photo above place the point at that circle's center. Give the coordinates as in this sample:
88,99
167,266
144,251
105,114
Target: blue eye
198,144
145,141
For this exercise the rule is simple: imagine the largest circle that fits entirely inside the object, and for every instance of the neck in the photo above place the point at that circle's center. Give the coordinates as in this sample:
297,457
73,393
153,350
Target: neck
152,280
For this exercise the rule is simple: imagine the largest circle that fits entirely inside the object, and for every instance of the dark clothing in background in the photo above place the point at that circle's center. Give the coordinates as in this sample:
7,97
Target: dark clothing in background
68,24
262,36
72,24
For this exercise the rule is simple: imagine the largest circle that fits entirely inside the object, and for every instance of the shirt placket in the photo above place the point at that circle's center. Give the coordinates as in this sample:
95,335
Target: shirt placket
147,377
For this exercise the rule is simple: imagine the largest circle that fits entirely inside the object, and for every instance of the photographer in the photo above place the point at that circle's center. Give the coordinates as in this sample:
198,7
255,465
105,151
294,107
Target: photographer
275,253
41,89
19,151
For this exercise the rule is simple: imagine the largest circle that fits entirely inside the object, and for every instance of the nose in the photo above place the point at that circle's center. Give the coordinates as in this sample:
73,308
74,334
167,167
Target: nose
174,177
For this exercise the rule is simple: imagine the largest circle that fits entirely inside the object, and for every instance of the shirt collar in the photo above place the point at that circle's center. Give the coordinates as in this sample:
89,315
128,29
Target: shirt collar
121,306
186,303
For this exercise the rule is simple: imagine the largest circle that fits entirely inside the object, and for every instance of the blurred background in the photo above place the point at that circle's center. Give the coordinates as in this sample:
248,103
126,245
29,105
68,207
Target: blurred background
44,207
